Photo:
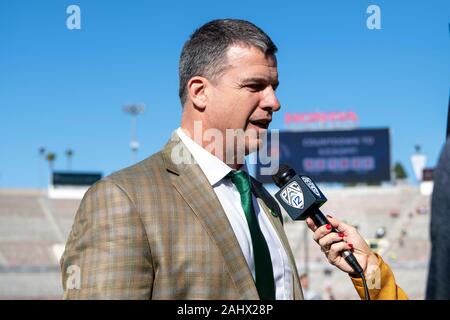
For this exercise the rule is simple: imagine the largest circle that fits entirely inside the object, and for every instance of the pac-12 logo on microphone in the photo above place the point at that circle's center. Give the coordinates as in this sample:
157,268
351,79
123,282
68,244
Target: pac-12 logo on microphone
311,185
293,195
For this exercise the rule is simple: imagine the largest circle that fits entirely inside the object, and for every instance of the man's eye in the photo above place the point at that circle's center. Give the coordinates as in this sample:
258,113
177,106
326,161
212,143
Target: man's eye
256,87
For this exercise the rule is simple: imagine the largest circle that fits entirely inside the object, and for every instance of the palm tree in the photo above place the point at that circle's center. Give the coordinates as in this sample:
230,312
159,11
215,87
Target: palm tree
41,165
69,155
51,157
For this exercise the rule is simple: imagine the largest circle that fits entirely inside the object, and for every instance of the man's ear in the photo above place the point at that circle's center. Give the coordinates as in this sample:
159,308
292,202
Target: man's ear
197,91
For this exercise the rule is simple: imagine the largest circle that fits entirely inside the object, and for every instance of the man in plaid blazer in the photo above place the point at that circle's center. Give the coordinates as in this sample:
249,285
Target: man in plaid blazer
173,227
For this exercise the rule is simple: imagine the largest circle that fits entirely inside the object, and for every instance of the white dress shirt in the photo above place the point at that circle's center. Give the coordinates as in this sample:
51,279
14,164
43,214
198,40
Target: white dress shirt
215,171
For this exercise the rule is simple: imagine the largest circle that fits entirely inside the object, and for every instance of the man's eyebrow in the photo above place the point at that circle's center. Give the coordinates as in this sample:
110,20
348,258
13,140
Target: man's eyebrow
261,80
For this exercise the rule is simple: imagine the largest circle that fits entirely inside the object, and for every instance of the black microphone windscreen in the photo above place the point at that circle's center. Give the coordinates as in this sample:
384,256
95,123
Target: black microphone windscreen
283,175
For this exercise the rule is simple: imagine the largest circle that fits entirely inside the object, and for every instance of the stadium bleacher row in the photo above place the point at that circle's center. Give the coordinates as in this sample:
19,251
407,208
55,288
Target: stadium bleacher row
34,228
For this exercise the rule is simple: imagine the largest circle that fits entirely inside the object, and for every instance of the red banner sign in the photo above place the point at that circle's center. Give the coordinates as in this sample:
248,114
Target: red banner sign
320,117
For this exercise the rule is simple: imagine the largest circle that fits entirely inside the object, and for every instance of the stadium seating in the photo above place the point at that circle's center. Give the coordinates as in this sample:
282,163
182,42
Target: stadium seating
34,228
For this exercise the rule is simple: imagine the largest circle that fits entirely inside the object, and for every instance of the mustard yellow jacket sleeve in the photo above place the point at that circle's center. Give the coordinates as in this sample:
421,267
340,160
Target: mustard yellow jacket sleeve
381,284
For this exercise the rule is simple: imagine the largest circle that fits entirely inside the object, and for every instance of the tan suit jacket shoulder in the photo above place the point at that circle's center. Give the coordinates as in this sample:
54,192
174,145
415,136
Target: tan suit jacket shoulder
156,230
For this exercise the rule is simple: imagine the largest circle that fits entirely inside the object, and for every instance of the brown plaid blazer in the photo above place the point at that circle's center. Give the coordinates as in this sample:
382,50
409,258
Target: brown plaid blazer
156,230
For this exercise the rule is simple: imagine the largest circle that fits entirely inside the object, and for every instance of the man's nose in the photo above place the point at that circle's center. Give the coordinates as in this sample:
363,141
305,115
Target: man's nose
270,100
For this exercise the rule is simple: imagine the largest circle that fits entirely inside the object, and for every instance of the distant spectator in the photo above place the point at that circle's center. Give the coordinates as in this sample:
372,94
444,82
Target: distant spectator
401,242
438,286
329,292
308,294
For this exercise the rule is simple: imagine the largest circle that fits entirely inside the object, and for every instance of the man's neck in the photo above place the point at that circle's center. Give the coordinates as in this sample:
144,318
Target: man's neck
210,146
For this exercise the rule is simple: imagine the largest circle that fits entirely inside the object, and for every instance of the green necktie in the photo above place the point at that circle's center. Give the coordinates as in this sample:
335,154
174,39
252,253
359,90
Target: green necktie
263,264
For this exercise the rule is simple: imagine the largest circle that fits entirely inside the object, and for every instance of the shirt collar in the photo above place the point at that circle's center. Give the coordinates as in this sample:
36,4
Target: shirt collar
213,168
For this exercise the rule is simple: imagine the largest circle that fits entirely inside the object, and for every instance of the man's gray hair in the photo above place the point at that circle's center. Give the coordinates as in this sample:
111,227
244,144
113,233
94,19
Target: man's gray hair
204,54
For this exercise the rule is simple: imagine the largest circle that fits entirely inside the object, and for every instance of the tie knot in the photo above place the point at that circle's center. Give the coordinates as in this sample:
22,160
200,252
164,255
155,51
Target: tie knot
240,180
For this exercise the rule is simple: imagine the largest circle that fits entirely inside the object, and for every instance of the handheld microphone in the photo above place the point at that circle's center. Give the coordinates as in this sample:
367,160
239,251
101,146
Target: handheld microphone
301,198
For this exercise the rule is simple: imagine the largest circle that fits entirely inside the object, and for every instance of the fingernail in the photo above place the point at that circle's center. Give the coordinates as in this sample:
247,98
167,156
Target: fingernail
350,245
341,234
328,226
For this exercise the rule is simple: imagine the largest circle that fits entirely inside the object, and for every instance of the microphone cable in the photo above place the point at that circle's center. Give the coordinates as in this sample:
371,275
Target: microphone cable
366,289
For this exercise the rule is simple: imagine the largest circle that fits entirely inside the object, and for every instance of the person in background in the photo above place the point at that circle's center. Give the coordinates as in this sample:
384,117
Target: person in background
308,293
438,283
329,292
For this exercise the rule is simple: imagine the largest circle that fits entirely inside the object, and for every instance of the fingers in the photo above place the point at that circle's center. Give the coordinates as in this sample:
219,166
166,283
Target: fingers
329,239
311,224
333,221
339,225
335,250
322,232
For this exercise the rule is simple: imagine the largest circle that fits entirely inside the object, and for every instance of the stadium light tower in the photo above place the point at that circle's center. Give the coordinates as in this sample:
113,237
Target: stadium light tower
134,110
418,162
51,157
41,167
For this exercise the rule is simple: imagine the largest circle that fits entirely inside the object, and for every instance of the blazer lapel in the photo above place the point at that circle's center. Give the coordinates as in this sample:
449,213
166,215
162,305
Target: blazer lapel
191,183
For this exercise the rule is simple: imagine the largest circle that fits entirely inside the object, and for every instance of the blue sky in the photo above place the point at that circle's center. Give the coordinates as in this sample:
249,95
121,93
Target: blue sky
63,88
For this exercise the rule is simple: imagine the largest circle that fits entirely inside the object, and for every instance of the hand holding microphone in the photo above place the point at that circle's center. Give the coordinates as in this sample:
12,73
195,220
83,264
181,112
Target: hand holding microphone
348,238
301,198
